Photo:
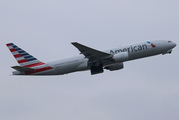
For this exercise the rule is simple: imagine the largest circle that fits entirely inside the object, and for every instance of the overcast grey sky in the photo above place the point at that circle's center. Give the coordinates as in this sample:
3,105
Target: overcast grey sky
147,89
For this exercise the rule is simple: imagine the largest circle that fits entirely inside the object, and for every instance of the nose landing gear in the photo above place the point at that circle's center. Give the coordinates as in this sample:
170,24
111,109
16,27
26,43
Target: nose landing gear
168,52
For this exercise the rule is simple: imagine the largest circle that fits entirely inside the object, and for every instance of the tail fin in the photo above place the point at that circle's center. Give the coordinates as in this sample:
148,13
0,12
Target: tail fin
22,57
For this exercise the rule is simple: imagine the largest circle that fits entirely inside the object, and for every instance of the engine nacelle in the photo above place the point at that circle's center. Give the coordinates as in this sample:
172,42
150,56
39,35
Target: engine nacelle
115,67
121,57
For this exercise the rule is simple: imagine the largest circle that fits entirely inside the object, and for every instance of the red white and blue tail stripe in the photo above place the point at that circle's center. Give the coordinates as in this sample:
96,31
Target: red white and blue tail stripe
22,57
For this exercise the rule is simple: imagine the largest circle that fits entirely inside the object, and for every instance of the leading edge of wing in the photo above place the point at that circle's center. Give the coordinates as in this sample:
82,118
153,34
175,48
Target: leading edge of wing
90,52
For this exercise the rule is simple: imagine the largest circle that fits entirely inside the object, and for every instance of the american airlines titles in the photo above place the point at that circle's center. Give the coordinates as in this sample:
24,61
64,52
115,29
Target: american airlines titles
130,49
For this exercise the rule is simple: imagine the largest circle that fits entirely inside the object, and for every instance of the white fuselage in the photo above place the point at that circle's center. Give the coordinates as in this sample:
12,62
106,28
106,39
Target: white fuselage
80,63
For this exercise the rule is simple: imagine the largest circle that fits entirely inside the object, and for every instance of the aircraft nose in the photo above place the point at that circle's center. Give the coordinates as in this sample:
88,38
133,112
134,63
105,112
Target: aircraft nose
174,44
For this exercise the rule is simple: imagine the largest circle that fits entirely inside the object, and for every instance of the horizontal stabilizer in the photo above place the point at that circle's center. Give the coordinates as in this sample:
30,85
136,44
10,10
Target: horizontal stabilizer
22,69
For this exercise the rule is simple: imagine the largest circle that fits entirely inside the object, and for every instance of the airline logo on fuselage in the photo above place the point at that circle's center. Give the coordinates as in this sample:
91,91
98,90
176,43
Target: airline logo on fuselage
130,49
151,44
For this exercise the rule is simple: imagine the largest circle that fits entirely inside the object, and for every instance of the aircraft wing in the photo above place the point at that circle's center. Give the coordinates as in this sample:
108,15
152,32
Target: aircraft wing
20,68
91,53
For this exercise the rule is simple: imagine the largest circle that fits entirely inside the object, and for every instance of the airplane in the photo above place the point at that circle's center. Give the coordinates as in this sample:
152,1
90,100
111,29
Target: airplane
89,59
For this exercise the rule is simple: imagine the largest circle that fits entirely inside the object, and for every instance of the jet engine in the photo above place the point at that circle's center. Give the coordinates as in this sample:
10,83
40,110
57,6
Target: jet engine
115,67
120,57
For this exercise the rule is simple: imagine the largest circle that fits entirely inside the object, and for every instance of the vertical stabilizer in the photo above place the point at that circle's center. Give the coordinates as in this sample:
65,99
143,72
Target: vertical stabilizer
22,57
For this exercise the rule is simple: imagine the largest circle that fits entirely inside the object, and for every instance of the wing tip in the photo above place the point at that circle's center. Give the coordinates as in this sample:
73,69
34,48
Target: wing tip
74,42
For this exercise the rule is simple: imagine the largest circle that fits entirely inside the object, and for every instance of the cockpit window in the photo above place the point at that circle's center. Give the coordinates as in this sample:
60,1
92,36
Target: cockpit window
169,41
